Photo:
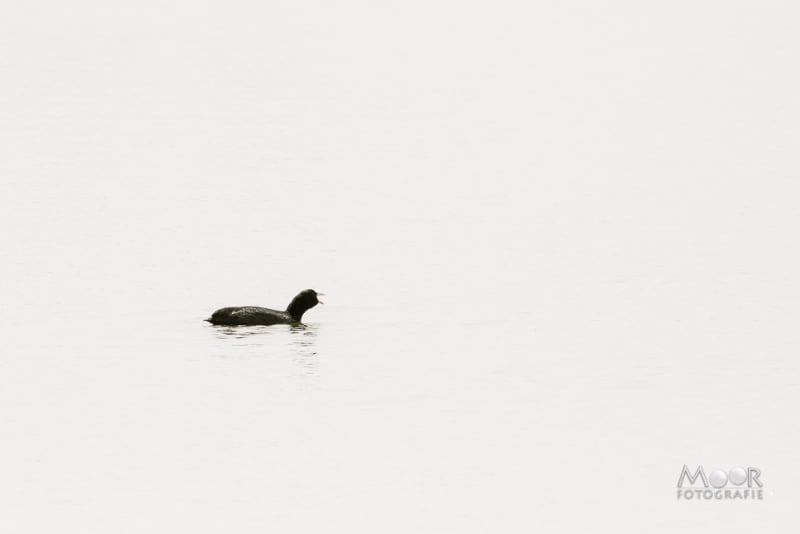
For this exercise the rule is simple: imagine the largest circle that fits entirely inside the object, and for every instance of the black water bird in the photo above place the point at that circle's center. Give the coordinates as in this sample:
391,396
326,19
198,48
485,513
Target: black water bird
255,315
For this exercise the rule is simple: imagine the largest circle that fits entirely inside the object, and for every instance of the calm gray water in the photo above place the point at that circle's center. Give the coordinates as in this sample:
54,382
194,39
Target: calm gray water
558,246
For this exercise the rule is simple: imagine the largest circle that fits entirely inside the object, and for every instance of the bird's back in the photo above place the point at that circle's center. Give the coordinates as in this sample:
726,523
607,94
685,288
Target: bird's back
249,315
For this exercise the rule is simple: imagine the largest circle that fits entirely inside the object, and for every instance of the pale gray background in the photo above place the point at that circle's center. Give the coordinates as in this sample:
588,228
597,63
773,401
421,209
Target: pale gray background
558,241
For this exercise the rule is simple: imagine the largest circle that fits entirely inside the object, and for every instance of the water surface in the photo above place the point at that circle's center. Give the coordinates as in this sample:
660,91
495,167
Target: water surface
557,247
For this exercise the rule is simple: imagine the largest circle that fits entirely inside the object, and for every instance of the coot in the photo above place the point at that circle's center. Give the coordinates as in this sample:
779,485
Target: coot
253,315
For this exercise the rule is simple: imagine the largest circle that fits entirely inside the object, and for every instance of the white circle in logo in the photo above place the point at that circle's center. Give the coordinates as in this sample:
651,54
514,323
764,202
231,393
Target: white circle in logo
718,478
737,476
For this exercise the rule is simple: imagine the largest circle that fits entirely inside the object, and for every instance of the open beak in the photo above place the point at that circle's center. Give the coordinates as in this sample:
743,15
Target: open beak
318,296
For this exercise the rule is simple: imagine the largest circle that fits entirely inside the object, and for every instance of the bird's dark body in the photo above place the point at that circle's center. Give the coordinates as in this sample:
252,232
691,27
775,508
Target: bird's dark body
250,315
255,315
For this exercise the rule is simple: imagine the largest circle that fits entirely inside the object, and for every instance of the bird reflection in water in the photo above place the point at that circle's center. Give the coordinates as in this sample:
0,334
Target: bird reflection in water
301,344
304,346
